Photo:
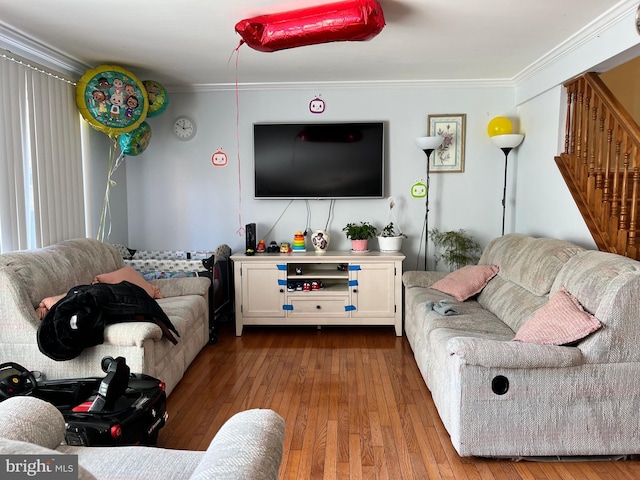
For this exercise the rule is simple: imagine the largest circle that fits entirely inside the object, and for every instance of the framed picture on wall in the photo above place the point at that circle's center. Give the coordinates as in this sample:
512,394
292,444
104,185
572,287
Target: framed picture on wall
448,157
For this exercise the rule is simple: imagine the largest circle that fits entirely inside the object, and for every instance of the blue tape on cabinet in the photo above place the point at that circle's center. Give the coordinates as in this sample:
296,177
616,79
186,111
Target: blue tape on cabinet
282,281
349,308
287,307
354,267
282,266
353,283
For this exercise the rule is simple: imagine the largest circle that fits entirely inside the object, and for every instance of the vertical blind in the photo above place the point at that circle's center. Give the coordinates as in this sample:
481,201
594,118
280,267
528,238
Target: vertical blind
41,173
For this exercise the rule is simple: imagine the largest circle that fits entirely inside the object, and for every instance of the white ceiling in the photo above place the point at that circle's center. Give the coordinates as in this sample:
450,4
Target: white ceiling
191,42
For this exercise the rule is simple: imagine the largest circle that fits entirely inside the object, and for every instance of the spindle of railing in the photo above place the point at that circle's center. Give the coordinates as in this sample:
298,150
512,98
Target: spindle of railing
623,221
567,133
632,250
601,157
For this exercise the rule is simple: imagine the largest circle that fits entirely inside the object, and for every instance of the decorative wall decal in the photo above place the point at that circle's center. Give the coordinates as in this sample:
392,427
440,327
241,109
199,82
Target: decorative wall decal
419,189
317,105
219,158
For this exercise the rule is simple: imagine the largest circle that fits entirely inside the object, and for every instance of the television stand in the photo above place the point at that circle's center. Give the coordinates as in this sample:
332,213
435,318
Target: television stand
334,288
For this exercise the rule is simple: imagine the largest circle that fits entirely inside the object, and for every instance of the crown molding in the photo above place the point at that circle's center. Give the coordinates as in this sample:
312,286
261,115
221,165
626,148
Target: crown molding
371,84
17,43
21,45
592,30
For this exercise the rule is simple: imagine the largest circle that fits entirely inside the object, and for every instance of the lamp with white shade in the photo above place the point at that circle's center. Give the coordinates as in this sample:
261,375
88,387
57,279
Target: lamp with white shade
506,143
428,145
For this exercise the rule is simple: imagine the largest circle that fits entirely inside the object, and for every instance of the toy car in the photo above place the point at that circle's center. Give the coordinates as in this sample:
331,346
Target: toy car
285,247
119,409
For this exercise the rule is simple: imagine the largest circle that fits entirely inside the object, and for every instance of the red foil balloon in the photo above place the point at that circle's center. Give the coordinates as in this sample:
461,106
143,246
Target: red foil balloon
340,21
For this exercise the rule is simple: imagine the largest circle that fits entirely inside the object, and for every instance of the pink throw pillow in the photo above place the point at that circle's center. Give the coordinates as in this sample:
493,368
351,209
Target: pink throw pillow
560,322
130,275
46,304
466,282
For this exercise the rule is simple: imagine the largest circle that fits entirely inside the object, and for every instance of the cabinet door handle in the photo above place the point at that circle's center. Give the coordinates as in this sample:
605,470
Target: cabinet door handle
355,290
318,307
282,290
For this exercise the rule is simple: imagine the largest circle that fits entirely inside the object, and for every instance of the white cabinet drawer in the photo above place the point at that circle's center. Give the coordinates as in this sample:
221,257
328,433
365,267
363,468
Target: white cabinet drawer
324,306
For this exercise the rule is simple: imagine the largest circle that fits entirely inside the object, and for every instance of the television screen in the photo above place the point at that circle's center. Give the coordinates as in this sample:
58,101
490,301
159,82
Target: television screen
319,160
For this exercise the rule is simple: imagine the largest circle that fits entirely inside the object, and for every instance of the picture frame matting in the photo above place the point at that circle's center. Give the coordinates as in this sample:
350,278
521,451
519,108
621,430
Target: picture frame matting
448,157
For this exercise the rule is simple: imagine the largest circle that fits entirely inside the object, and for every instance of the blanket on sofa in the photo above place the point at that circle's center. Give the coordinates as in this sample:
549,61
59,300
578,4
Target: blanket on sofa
78,320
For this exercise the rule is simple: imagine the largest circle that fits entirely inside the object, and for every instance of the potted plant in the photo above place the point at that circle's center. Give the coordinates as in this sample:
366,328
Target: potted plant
457,248
389,240
360,235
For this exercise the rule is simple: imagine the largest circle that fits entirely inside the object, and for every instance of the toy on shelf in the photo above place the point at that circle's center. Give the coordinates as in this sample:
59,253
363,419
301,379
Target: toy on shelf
261,248
285,247
298,242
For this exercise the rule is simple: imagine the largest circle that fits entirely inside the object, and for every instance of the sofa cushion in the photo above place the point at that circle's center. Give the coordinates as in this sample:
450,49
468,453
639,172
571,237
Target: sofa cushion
532,263
129,274
466,282
561,321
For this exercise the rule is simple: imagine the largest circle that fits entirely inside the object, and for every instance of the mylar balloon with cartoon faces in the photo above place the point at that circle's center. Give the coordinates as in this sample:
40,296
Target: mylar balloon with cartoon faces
136,142
158,97
112,99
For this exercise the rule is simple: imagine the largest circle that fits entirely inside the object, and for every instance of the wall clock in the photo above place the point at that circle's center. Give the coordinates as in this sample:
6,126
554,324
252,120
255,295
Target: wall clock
184,128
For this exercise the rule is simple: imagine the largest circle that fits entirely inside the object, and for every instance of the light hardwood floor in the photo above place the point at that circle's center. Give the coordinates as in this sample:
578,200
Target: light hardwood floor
354,403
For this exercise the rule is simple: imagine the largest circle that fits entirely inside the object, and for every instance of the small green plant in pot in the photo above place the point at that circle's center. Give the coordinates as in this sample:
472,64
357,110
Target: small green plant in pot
456,248
360,235
389,239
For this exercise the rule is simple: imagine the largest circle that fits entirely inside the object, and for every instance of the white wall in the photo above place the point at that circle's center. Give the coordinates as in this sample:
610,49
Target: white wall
542,202
178,200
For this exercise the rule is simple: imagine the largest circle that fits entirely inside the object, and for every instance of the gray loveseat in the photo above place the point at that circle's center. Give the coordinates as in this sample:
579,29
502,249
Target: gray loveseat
28,277
499,397
248,446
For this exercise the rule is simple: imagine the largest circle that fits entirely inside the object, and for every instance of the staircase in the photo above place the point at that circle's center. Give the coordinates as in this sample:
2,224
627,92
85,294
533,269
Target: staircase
601,164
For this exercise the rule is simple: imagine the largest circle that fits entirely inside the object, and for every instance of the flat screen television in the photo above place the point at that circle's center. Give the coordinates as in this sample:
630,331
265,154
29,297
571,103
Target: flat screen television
319,160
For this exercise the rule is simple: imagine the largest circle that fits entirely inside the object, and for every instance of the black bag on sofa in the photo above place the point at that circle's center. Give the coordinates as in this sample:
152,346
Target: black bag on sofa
78,320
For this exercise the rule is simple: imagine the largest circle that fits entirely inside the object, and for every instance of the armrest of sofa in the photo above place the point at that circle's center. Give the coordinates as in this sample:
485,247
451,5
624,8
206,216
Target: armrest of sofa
487,352
419,278
249,445
29,419
175,287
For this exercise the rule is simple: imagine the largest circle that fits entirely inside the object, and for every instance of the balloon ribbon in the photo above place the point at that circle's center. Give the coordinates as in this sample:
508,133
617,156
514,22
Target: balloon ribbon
114,163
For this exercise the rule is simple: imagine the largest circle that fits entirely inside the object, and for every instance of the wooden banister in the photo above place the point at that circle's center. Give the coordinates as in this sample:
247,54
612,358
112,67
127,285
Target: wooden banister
601,165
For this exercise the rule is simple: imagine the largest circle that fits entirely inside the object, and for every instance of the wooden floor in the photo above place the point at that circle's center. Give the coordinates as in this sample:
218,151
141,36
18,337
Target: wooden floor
354,403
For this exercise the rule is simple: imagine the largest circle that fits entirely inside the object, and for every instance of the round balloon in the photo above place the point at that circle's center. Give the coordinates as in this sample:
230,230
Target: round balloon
158,97
112,99
136,142
499,126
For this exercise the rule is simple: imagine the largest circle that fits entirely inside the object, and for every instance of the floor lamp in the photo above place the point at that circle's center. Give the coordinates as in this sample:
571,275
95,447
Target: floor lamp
428,145
506,143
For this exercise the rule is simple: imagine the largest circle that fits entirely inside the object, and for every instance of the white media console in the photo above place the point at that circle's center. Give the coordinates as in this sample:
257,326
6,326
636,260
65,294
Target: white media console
357,289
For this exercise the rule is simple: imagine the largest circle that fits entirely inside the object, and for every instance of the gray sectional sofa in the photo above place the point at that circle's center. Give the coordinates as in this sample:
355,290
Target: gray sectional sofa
503,398
248,446
28,277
